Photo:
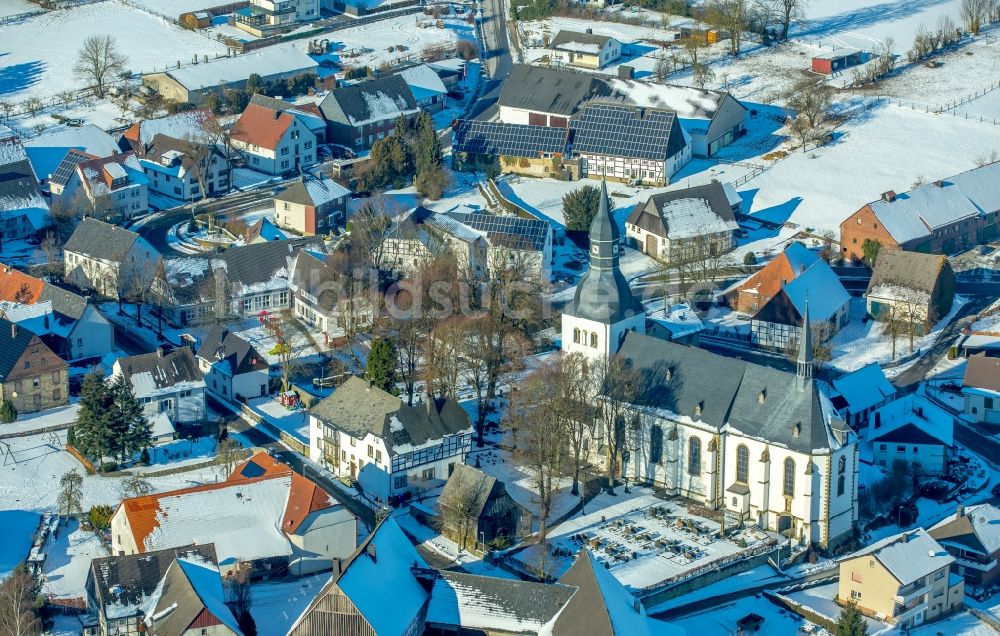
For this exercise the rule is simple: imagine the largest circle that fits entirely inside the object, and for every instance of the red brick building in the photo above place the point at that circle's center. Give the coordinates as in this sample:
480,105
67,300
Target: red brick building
753,293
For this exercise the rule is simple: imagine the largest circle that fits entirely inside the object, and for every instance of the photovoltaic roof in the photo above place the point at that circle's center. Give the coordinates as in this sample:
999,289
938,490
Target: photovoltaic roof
510,231
512,140
622,131
68,165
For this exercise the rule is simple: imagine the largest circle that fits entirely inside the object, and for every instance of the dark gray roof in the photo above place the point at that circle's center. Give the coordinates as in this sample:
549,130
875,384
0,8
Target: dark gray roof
550,90
189,589
100,240
166,368
470,489
131,578
909,434
67,167
603,293
12,345
509,140
755,400
458,594
257,263
375,99
17,180
221,344
64,302
357,408
311,276
509,231
909,270
649,217
565,36
626,131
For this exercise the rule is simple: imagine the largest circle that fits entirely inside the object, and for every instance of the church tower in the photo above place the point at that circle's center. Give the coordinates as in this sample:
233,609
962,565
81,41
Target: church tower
603,309
804,362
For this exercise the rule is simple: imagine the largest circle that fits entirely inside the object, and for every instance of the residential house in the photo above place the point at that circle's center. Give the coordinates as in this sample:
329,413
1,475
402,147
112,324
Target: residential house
676,322
244,281
513,242
779,322
306,111
914,430
685,224
904,580
419,235
32,376
194,83
233,369
585,50
265,16
917,289
627,143
109,259
760,443
477,510
275,142
981,389
119,586
940,217
970,536
327,307
858,393
23,210
47,151
312,205
68,323
262,231
545,96
427,87
264,516
452,72
364,433
116,188
179,155
190,602
749,295
166,382
372,592
482,146
64,172
359,114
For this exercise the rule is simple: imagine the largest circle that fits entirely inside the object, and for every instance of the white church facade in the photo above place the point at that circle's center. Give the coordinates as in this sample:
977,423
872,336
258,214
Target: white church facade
762,444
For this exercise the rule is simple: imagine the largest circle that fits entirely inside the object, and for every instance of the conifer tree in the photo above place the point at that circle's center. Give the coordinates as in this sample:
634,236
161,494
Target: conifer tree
130,428
90,431
381,370
851,622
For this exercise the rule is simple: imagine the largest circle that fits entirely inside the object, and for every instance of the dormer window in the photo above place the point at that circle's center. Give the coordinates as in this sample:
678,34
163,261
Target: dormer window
668,375
796,430
762,397
699,407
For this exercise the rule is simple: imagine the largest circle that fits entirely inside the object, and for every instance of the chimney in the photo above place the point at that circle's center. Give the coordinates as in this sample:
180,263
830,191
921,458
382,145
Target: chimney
13,330
371,552
889,196
159,352
960,512
337,567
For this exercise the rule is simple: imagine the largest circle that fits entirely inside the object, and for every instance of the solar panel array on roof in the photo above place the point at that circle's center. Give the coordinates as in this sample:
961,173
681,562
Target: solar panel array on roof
621,131
68,166
512,140
510,231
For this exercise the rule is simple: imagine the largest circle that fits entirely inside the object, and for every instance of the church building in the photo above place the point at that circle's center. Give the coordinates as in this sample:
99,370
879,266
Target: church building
764,445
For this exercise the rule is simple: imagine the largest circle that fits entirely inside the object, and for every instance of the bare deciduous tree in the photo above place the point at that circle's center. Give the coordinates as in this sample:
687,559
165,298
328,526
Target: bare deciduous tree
18,594
135,486
227,454
615,387
460,507
99,61
240,600
974,13
811,99
731,16
71,493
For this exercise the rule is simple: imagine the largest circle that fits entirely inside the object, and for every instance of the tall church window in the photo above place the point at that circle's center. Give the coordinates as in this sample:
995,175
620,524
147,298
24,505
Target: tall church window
576,335
742,464
593,339
655,443
788,485
841,476
694,456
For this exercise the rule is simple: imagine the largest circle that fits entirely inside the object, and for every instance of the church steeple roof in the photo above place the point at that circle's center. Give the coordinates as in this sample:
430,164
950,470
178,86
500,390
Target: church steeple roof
603,293
804,366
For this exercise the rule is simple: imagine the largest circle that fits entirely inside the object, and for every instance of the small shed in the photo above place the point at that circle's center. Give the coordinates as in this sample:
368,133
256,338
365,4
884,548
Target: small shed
837,60
475,507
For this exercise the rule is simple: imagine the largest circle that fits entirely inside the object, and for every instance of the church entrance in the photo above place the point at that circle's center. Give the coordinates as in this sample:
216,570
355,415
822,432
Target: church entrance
785,525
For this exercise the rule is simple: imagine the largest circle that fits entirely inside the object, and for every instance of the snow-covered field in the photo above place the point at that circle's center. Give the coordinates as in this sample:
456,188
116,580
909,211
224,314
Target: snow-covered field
67,560
14,7
174,8
38,53
721,620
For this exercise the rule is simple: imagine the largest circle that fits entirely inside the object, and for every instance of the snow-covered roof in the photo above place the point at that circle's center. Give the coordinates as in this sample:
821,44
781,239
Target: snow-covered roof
919,212
46,151
679,319
11,152
316,191
908,556
686,101
161,426
688,218
864,388
823,290
836,54
489,603
913,409
245,520
266,62
982,520
207,583
423,82
186,125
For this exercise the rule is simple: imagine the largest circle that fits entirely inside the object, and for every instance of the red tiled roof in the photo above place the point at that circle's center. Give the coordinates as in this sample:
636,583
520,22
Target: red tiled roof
98,165
262,126
18,286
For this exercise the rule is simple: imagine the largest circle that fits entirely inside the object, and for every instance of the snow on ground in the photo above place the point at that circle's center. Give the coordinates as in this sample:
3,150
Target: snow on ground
962,623
18,531
760,575
721,620
67,559
174,8
149,43
820,600
520,484
276,605
986,108
14,7
294,422
59,416
970,68
377,43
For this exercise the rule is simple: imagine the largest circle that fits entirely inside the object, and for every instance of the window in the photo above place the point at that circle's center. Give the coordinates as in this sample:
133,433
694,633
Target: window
27,364
256,160
428,473
354,442
694,456
284,164
593,340
576,335
308,145
371,451
55,374
399,482
284,151
881,447
788,487
987,403
655,443
900,449
855,594
36,382
378,456
841,480
56,394
288,206
742,464
343,455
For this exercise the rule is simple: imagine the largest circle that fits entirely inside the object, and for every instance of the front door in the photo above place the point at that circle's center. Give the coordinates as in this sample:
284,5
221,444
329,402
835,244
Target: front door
651,240
354,471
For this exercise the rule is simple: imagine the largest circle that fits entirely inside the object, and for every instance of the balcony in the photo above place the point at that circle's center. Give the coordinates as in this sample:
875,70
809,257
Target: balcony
976,565
907,614
905,597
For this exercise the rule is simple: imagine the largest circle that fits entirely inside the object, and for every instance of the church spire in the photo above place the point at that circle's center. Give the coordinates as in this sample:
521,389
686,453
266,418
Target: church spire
804,368
605,239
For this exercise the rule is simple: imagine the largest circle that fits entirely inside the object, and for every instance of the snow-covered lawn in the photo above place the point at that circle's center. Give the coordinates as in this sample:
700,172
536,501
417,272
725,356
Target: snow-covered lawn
174,8
295,423
14,7
276,605
58,416
18,530
986,107
641,548
721,620
38,52
962,623
820,600
760,575
67,560
970,68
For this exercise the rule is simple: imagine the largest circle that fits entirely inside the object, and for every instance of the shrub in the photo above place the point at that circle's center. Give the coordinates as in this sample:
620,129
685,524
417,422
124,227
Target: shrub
8,412
750,259
100,517
144,456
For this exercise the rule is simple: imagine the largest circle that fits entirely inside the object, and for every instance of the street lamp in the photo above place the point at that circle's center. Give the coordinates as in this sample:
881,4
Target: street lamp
626,454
